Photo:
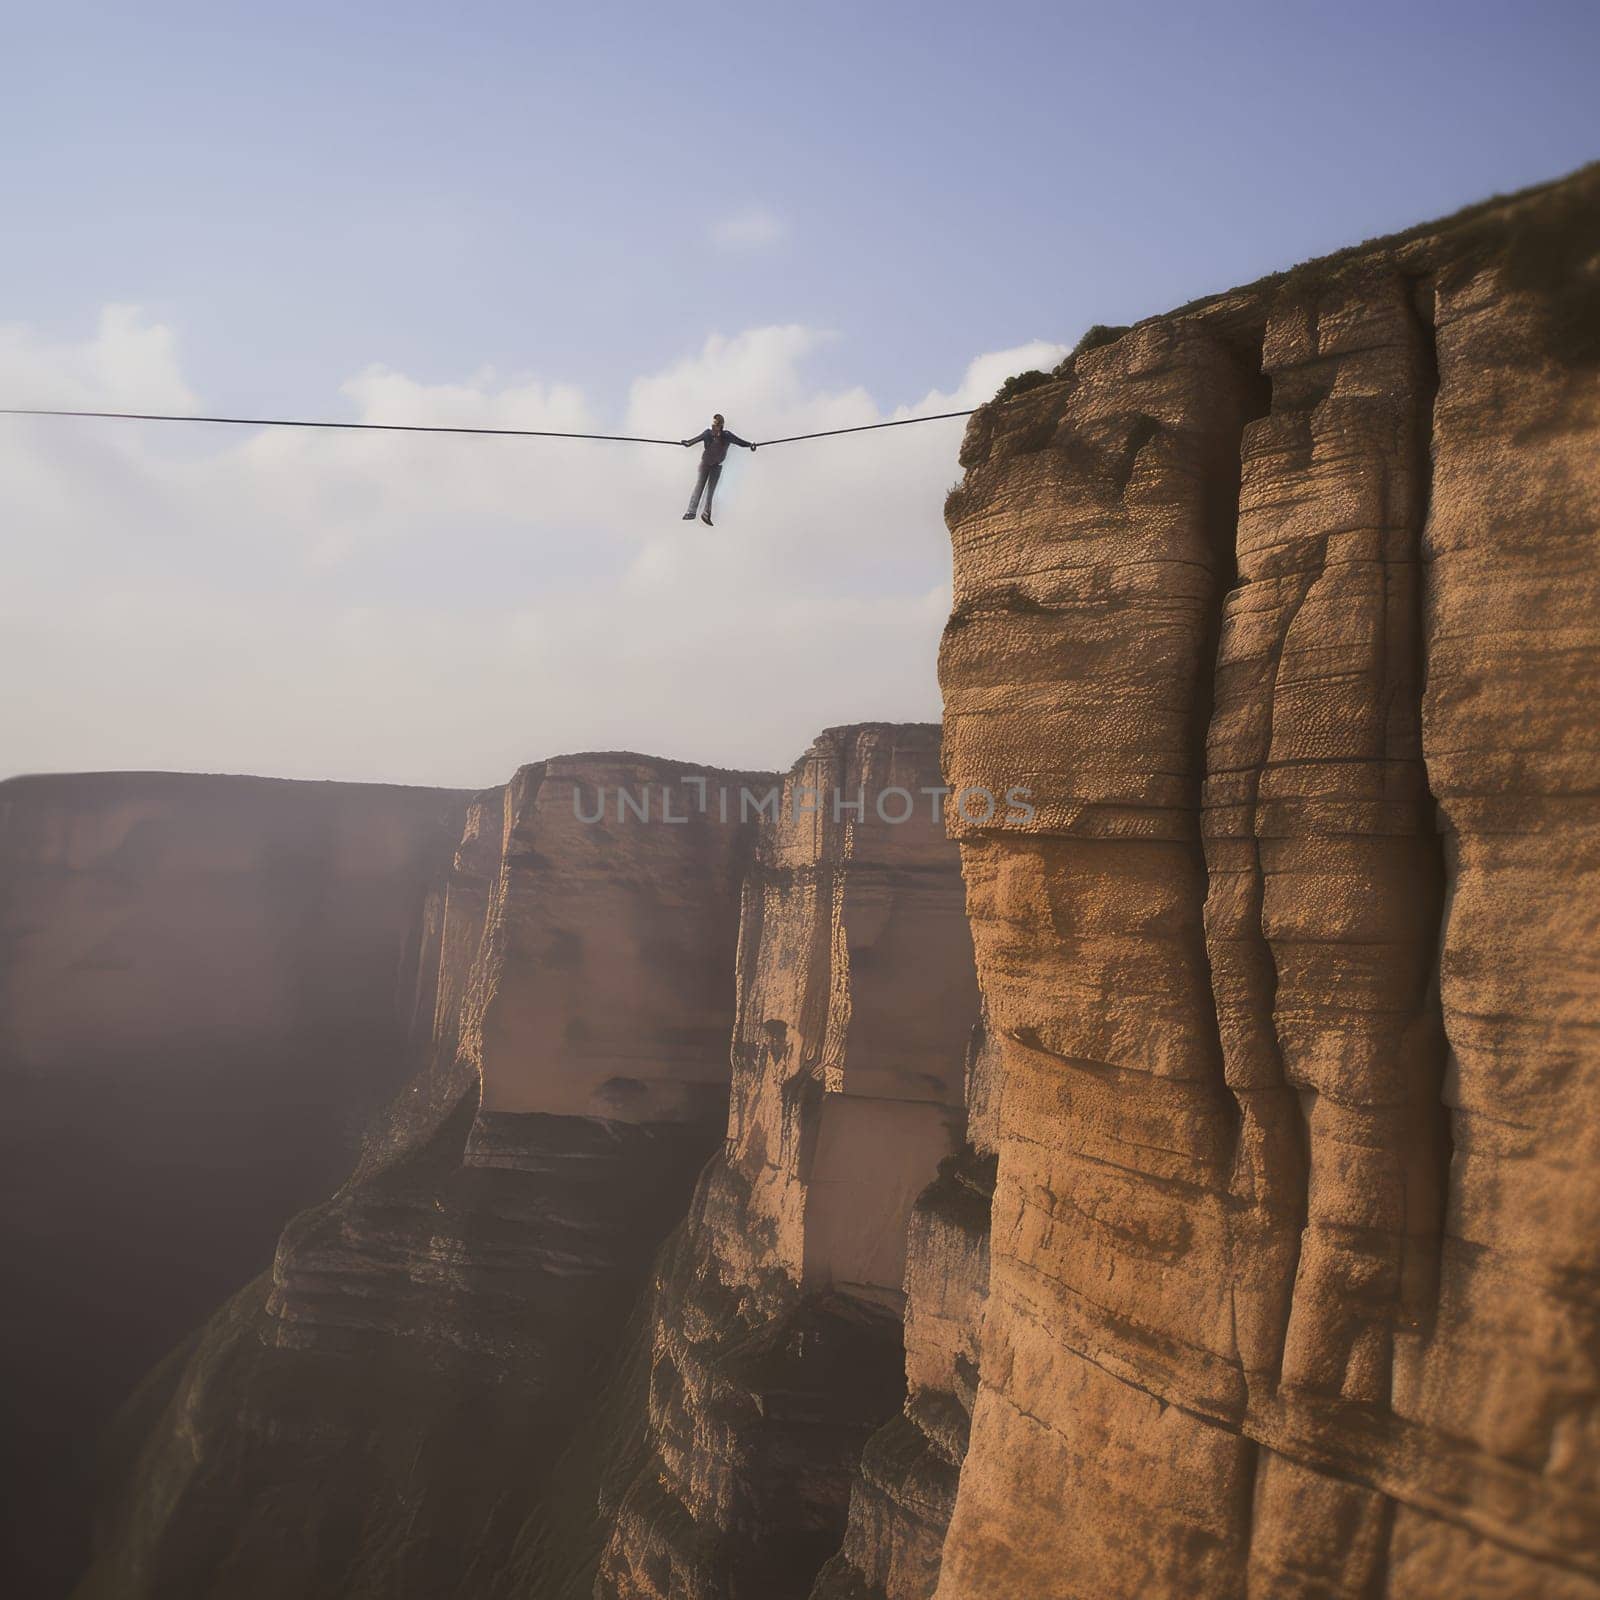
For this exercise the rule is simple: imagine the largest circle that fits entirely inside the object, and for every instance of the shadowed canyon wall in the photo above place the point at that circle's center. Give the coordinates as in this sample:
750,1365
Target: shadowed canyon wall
905,1487
1287,608
206,989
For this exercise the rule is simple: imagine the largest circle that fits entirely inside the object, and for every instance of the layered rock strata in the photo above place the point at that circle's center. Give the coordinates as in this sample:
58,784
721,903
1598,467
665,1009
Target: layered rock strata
775,1347
399,1389
1285,609
206,989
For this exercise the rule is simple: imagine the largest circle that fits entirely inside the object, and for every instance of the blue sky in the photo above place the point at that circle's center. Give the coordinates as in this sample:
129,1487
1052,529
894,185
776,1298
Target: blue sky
519,210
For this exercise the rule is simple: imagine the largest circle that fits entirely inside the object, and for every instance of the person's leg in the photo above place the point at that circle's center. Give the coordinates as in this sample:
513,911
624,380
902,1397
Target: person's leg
694,499
711,488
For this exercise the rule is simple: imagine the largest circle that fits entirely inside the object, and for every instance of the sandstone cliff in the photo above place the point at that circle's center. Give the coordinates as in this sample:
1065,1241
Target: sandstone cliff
775,1346
1287,608
386,1412
205,992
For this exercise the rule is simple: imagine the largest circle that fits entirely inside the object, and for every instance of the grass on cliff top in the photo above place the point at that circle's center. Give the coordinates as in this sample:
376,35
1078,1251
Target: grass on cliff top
1546,238
1021,382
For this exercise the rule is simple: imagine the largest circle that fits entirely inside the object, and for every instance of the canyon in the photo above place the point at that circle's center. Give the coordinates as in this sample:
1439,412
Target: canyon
1183,1183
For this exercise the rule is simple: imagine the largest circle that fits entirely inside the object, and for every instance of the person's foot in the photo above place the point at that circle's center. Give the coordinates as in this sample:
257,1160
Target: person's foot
705,517
688,516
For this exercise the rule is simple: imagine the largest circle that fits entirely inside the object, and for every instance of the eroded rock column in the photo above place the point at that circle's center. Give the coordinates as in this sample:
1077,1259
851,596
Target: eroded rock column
776,1344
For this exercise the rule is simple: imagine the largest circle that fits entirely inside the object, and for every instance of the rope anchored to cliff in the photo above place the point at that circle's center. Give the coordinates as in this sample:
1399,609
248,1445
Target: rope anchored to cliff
867,427
422,427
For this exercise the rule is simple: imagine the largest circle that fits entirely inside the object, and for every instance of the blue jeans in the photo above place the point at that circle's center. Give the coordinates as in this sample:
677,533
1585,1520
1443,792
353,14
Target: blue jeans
707,482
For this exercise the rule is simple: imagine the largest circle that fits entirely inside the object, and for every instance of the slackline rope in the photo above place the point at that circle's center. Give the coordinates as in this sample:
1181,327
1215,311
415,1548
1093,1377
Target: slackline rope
865,427
419,427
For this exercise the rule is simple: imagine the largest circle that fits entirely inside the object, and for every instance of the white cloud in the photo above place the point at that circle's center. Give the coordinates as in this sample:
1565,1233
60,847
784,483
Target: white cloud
130,363
754,229
986,373
438,608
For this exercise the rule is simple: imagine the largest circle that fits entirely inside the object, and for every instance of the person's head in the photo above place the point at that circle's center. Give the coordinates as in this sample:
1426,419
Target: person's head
716,423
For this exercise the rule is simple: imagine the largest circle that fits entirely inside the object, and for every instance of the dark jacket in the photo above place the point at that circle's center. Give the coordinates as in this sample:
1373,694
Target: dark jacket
716,446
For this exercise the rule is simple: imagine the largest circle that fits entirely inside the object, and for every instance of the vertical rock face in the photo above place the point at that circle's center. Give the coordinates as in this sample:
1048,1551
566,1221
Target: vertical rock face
596,996
401,1391
856,997
206,987
775,1347
1285,609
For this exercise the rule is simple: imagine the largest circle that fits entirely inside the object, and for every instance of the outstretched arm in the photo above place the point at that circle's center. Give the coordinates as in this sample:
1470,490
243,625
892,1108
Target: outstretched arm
699,438
734,438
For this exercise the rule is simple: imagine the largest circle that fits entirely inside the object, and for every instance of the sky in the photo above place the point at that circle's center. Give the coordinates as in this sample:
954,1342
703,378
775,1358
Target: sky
619,218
